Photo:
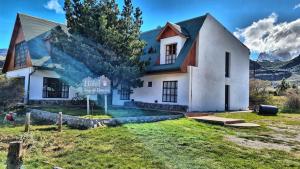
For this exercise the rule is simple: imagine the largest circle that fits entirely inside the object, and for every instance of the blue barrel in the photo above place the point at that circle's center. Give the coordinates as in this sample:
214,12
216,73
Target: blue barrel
267,110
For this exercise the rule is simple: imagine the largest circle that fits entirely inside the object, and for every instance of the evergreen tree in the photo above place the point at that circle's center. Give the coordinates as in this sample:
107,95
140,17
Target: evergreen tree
110,37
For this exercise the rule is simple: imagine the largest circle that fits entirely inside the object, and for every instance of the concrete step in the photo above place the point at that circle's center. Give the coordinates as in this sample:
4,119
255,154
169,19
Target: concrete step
197,114
218,120
243,125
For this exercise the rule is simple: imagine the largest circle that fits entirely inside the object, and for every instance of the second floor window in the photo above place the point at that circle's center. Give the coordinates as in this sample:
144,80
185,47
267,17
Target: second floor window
227,64
171,50
21,51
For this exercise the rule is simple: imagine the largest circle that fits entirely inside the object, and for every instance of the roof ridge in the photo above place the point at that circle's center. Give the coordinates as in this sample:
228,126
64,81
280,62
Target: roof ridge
38,18
177,23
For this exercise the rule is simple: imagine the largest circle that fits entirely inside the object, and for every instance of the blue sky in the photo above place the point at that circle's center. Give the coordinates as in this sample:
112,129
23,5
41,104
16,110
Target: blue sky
232,14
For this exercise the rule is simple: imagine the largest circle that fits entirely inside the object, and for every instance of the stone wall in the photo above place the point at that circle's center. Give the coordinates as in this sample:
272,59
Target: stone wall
85,123
156,106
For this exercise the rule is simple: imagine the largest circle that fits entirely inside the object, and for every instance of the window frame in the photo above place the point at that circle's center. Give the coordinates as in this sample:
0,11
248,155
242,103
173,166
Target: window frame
63,88
21,52
170,58
167,94
227,64
150,84
124,93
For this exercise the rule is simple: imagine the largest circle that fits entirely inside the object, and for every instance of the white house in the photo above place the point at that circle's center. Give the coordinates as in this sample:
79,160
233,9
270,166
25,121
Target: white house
195,63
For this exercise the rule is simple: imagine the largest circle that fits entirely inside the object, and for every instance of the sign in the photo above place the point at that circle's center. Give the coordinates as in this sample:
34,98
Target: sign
92,86
95,86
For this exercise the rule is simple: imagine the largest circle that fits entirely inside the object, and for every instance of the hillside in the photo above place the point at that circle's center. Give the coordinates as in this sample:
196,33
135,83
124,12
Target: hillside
292,63
276,70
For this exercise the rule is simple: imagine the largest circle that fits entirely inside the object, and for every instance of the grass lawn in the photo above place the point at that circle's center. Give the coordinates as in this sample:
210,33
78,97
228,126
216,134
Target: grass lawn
172,144
98,113
76,111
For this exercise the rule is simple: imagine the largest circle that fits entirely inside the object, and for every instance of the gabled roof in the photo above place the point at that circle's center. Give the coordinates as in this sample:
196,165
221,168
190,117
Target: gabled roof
191,29
176,28
33,27
36,30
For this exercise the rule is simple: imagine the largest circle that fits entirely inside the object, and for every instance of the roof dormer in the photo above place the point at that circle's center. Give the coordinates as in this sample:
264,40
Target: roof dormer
172,38
170,30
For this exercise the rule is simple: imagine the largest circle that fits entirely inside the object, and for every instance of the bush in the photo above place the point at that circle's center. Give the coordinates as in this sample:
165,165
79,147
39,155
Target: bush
293,99
11,92
258,92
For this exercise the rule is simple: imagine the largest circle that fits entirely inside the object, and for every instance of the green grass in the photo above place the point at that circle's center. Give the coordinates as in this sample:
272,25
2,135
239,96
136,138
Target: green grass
173,144
98,113
76,111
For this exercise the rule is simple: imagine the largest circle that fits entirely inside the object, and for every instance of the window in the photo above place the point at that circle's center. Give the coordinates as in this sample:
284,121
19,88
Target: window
170,53
21,51
55,88
169,91
227,64
149,84
125,93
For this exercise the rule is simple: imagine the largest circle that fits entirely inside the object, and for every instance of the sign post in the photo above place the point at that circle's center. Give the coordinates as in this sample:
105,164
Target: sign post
105,103
88,104
101,85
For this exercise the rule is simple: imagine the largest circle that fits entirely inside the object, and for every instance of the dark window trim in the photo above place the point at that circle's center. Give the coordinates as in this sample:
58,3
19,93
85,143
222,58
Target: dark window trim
124,93
227,64
170,58
149,84
170,91
62,89
21,52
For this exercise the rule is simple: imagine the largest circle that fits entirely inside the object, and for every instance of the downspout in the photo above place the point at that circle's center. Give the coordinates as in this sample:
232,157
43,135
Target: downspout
28,86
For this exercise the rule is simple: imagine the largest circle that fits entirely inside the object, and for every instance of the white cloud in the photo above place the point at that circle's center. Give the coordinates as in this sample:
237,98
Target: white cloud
54,5
268,36
297,6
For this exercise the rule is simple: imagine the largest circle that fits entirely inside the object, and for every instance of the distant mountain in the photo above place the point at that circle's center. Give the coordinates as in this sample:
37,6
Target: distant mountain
274,58
276,70
292,63
2,57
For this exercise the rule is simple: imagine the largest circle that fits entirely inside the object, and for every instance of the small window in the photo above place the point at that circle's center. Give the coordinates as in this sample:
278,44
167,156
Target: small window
21,52
227,64
149,84
124,93
171,50
55,88
169,91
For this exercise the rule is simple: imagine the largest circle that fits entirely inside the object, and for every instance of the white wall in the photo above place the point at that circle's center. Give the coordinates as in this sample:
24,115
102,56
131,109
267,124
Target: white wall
208,79
170,40
150,94
36,85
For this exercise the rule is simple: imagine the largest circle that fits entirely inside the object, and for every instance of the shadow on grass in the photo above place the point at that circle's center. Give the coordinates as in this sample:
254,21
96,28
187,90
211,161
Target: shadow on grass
47,129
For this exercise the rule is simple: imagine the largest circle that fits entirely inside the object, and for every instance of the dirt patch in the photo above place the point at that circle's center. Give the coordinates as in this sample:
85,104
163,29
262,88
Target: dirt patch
280,137
258,144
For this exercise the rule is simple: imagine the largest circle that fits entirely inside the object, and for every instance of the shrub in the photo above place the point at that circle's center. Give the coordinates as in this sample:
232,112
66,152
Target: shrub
293,99
258,92
11,92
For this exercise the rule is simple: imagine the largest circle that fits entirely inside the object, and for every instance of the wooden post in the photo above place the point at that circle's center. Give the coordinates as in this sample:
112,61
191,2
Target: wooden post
27,122
14,155
105,103
60,121
88,104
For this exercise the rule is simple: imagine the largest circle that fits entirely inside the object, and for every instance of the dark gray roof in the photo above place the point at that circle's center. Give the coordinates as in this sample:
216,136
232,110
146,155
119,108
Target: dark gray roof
190,28
35,30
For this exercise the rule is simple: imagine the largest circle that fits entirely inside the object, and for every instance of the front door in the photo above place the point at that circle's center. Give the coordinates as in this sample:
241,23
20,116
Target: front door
227,97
